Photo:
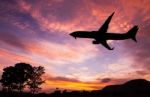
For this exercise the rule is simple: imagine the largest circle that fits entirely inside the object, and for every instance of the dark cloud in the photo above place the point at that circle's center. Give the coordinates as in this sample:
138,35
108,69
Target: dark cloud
106,80
12,15
143,73
112,81
59,78
10,36
11,39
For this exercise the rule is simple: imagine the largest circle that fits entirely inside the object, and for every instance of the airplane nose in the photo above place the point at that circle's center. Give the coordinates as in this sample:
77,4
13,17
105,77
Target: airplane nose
71,34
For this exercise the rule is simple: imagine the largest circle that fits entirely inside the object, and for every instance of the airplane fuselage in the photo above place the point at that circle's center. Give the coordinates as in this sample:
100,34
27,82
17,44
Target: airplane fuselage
99,37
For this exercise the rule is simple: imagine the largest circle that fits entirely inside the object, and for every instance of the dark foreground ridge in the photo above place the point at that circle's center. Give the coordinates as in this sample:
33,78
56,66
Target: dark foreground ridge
133,88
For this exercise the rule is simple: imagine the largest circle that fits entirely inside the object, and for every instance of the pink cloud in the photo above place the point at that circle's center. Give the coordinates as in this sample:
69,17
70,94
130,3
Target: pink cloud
64,53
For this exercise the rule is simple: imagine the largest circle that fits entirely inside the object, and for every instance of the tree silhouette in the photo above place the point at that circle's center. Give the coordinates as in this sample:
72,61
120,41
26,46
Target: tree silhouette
23,72
35,81
16,77
8,78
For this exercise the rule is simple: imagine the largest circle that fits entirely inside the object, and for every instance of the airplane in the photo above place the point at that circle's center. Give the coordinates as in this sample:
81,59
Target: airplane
101,36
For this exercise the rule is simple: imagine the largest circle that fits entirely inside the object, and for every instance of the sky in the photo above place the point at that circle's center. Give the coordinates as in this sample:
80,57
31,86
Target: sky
37,32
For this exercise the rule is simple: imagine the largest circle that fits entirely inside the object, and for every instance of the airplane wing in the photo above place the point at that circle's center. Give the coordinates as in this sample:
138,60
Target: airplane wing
104,43
104,27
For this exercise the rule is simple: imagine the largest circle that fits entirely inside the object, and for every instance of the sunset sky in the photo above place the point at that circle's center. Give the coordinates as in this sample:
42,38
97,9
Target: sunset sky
37,32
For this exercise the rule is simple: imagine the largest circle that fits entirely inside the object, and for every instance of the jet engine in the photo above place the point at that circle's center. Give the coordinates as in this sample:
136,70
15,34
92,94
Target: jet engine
96,42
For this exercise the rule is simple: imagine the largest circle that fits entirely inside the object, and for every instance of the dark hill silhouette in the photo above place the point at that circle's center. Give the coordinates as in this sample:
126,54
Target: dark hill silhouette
133,87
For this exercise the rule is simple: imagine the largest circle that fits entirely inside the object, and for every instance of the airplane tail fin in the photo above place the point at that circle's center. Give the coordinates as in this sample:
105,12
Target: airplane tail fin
132,33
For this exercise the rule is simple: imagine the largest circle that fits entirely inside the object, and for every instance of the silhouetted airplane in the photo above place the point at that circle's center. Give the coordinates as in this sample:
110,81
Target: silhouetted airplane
101,36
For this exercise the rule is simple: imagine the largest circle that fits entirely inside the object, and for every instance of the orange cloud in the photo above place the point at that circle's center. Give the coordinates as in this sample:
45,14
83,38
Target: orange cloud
75,85
71,84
